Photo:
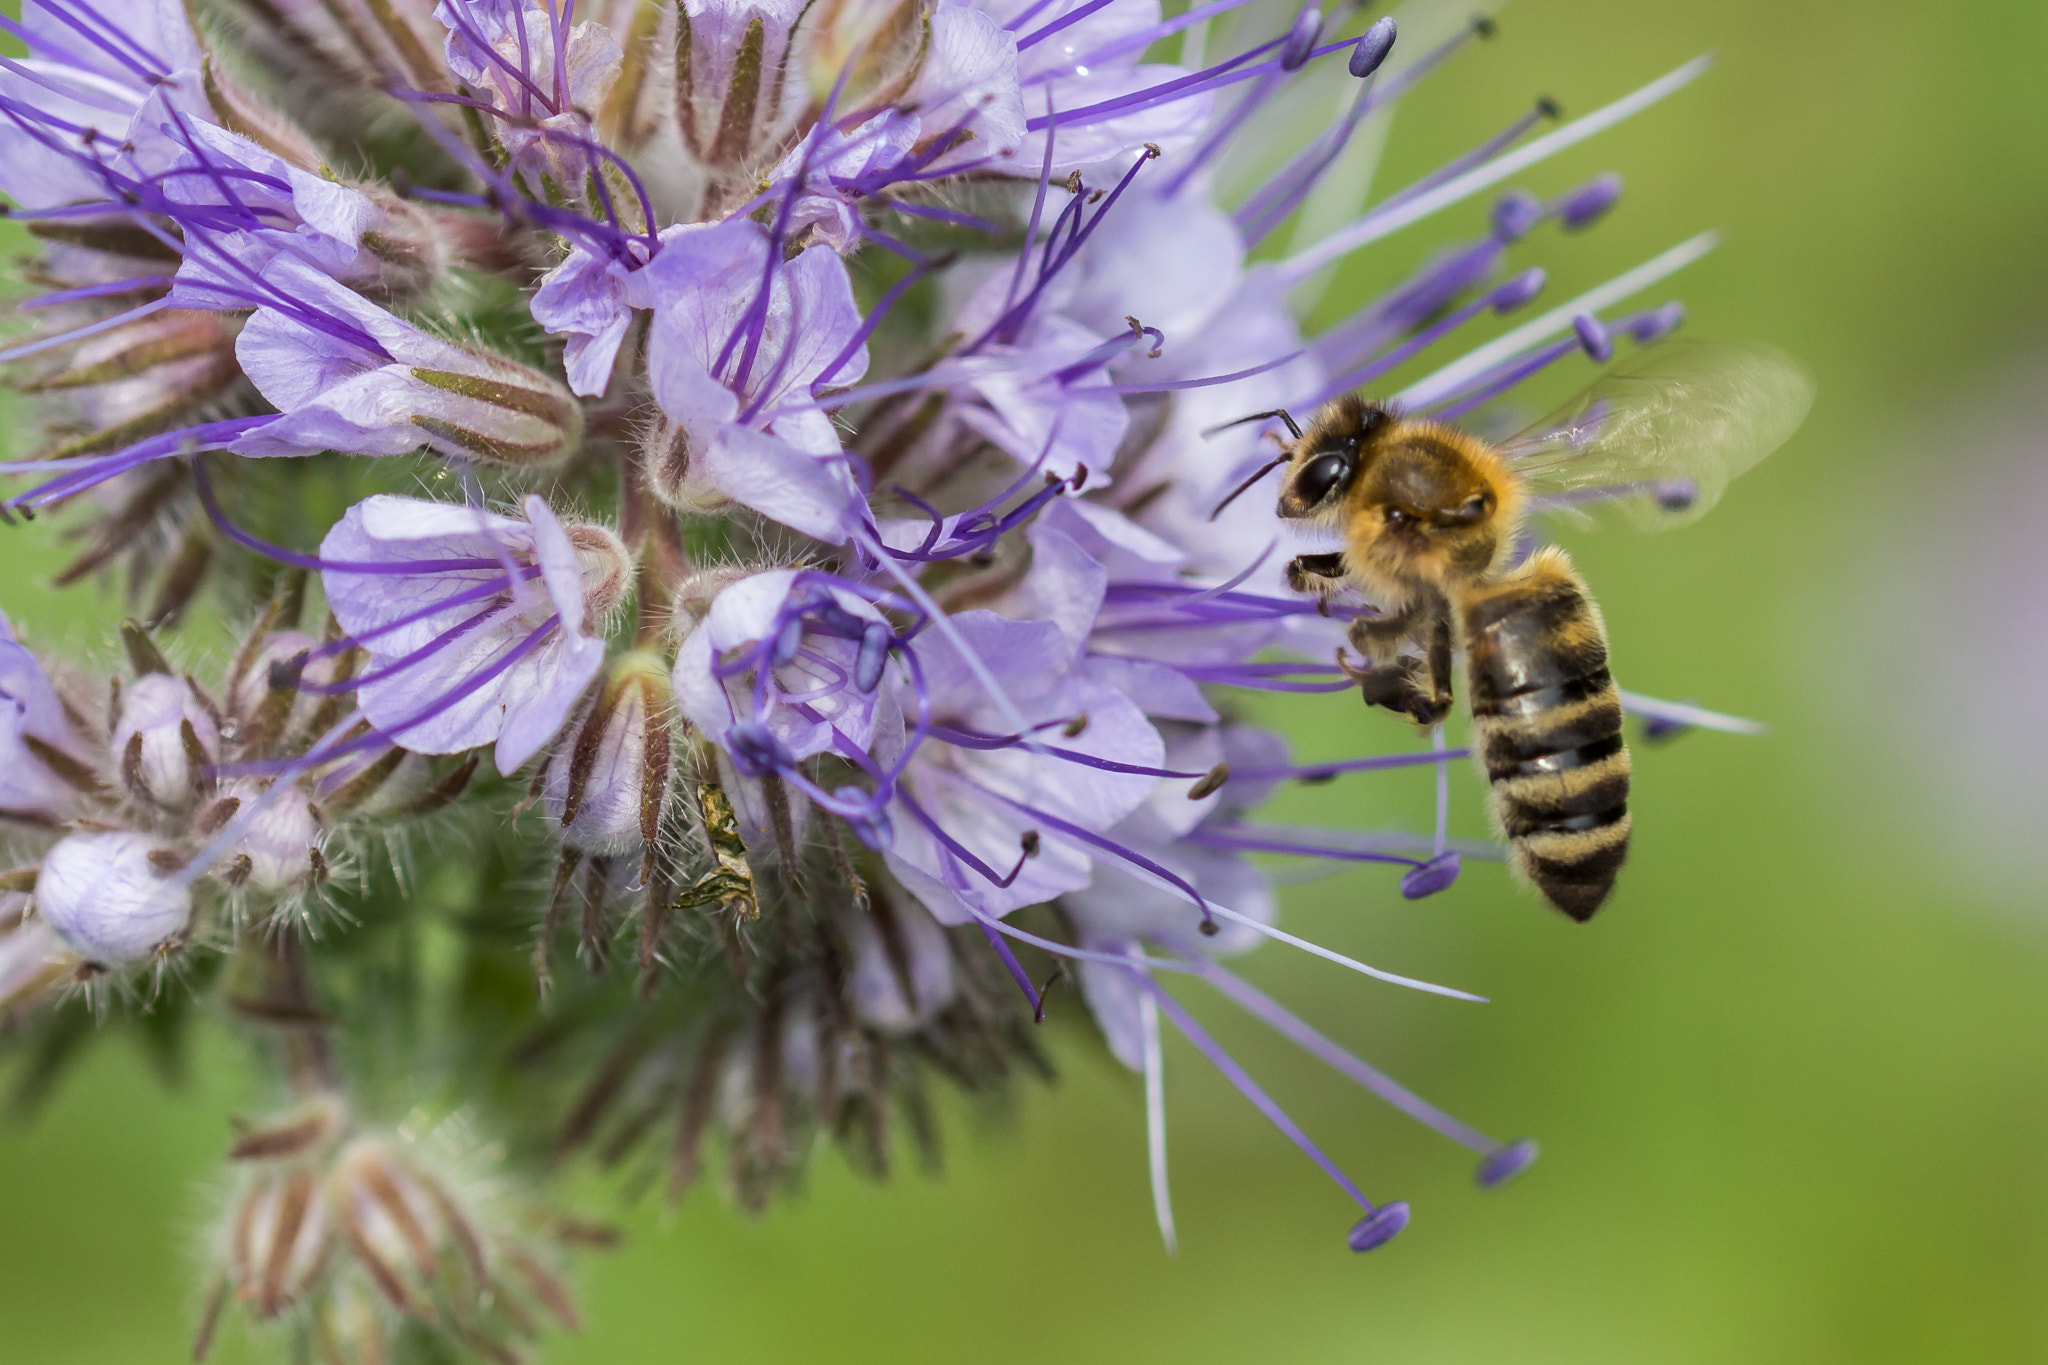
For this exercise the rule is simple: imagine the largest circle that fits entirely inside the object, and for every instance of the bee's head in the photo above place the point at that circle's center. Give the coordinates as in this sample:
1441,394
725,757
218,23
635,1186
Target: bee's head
1327,459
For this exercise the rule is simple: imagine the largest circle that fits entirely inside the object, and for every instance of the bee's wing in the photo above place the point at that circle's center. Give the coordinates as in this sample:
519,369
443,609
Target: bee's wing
1657,438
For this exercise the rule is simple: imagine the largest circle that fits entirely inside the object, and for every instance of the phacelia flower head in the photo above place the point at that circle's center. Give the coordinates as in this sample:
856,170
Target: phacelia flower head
925,359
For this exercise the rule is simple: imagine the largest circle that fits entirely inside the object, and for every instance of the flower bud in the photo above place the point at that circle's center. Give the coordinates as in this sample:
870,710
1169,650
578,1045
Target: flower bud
605,783
164,740
266,700
397,1221
105,897
730,59
282,1237
495,409
280,851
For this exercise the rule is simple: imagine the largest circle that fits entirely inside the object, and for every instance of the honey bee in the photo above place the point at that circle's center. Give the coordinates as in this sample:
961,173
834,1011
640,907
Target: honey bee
1431,517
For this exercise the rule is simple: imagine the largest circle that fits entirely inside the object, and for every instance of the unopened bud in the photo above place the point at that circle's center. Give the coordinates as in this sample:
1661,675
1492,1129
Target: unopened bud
729,82
495,409
163,740
282,1235
605,784
671,459
269,702
104,896
396,1222
282,839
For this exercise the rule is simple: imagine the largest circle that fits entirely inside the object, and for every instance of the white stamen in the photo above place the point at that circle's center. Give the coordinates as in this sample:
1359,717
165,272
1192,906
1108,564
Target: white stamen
1155,1118
1684,714
1373,226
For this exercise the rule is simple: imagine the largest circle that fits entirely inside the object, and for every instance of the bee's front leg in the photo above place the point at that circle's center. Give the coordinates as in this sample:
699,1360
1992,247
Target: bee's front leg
1319,576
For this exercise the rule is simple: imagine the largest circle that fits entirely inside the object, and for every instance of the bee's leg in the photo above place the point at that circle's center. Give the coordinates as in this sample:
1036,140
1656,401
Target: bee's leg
1320,575
1439,695
1419,689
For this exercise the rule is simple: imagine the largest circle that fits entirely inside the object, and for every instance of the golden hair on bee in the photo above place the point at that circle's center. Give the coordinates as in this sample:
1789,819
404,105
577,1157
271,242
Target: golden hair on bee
1419,503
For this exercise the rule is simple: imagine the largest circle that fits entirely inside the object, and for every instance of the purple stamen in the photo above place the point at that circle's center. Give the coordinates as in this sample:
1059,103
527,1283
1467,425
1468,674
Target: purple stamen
1426,879
1377,1229
1588,204
1504,1163
1261,1101
1284,1022
1301,39
1592,334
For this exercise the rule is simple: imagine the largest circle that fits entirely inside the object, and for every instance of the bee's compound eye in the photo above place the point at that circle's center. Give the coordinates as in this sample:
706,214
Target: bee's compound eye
1397,518
1319,476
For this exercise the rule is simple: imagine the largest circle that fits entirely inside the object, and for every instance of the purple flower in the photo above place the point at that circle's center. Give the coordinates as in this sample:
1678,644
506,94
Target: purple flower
738,344
476,624
34,731
240,205
796,660
830,170
504,51
347,375
1075,57
72,95
589,299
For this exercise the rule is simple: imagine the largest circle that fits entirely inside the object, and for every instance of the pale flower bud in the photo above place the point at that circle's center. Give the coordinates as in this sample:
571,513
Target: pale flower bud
163,740
282,1235
606,780
106,898
282,842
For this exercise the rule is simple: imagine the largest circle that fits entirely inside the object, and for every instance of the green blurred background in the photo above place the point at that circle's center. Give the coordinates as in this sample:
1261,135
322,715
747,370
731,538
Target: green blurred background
1792,1086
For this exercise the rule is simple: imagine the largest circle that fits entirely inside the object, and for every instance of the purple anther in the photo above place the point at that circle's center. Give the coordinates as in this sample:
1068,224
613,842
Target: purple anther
1515,215
1301,39
1379,1227
1658,728
788,641
874,652
1587,204
1504,1163
1518,291
1428,878
755,749
1593,337
1372,47
1676,495
1657,325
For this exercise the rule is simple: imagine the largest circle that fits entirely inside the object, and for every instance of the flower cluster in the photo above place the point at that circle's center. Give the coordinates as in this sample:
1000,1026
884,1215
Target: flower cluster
799,454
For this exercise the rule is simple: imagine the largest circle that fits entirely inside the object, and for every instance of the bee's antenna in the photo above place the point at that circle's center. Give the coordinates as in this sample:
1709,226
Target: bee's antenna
1281,413
1264,470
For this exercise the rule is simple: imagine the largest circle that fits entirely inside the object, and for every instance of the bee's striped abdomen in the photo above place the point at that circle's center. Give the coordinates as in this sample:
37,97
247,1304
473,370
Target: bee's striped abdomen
1547,719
